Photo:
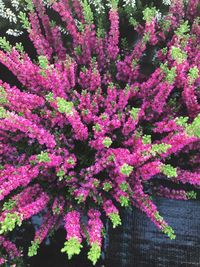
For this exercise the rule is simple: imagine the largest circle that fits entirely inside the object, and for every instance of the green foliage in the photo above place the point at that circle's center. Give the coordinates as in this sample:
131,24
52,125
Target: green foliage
124,186
72,247
19,47
60,174
3,113
78,50
107,186
149,14
70,161
134,113
158,149
43,157
168,170
94,253
191,195
3,99
43,62
193,129
115,219
24,20
170,73
183,29
146,139
124,201
133,22
64,106
5,45
169,232
88,15
107,142
10,222
50,97
177,54
29,4
9,205
97,127
193,74
181,121
126,169
32,251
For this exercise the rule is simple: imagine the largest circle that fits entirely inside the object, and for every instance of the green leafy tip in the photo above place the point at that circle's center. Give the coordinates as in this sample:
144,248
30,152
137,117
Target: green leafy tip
72,247
178,55
107,142
32,251
126,169
124,201
43,62
115,219
87,12
43,157
170,73
191,195
169,232
193,129
50,97
193,74
9,205
168,170
183,29
24,20
3,113
64,106
181,121
94,253
3,99
134,113
146,139
5,45
107,186
157,149
10,222
124,186
149,14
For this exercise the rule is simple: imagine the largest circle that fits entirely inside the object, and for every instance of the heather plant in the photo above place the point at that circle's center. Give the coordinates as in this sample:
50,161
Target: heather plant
87,130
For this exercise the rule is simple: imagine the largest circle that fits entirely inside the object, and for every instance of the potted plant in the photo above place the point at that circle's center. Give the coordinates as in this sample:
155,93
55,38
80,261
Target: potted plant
89,130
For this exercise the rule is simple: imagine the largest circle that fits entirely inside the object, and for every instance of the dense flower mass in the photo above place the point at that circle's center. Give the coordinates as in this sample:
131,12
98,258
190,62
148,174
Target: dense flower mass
89,130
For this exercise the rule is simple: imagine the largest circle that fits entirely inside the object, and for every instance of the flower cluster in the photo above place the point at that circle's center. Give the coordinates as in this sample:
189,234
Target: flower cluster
88,129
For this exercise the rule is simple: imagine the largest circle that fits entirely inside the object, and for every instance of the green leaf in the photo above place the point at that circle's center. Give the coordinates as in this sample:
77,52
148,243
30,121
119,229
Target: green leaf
43,62
65,106
87,12
3,113
94,253
24,20
193,74
19,47
10,222
149,14
169,232
126,169
159,148
115,219
5,45
124,186
43,157
181,121
178,55
72,247
146,139
107,186
134,113
183,29
107,142
168,170
9,205
193,129
32,251
124,201
191,195
3,94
